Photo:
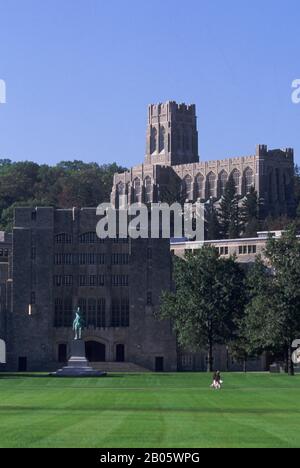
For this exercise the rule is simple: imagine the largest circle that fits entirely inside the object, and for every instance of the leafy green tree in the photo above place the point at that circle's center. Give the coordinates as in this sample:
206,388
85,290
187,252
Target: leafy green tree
284,256
211,223
68,184
250,214
272,319
229,211
257,326
208,300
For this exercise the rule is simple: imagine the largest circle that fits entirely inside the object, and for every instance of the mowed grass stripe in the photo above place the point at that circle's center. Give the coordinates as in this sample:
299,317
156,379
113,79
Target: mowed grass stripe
168,410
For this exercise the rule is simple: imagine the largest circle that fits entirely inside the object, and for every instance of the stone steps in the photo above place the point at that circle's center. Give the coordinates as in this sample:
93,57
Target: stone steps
118,367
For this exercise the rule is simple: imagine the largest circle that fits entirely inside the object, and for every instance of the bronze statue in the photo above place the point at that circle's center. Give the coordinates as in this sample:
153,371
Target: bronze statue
78,324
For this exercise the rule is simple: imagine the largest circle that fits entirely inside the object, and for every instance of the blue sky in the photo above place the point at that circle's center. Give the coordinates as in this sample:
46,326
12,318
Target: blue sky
80,74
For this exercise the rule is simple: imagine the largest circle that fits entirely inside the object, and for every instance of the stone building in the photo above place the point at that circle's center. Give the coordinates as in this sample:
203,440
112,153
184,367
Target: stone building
58,264
5,284
172,165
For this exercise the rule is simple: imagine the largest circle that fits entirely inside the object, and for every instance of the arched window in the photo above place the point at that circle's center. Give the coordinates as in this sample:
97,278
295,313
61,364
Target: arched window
120,195
153,140
236,177
63,238
199,186
223,178
148,189
211,185
187,188
137,189
89,238
162,133
249,179
120,189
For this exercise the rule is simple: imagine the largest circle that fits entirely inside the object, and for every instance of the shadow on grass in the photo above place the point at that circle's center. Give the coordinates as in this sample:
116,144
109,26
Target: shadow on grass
42,375
28,375
129,409
20,375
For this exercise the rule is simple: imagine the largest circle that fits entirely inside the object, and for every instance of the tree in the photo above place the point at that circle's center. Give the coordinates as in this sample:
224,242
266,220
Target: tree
229,211
257,326
211,223
68,184
284,256
272,319
250,214
207,302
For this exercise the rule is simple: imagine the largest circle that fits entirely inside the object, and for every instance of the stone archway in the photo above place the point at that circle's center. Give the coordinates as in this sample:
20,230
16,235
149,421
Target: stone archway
95,351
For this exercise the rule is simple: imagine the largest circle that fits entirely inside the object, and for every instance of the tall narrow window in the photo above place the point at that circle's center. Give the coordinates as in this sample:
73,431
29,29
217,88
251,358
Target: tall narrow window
137,189
101,319
199,185
68,312
249,180
187,188
58,312
148,189
124,312
236,177
120,312
211,185
223,181
92,306
162,133
115,313
121,201
153,140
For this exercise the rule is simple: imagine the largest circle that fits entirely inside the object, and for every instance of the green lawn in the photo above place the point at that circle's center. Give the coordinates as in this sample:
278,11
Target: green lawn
150,410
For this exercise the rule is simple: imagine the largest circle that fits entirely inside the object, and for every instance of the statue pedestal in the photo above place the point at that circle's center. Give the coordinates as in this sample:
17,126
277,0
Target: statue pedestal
78,365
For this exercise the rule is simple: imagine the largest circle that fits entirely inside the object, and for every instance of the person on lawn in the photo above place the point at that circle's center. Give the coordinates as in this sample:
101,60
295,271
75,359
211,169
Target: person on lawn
217,382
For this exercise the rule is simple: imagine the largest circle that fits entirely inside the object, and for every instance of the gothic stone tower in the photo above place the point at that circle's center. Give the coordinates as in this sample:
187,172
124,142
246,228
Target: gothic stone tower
172,136
172,165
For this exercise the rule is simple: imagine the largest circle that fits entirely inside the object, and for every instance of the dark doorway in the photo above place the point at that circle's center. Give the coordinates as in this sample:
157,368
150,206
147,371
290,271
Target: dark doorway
22,367
62,353
95,352
159,364
120,353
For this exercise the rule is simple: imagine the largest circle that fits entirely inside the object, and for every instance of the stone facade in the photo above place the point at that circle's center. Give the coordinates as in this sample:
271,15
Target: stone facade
5,256
245,250
172,165
58,264
55,266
